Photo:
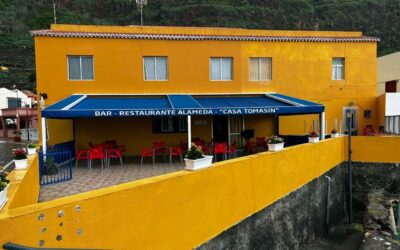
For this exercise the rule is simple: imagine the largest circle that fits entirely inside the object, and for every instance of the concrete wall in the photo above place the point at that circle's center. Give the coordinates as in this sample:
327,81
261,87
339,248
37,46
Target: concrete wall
178,210
294,220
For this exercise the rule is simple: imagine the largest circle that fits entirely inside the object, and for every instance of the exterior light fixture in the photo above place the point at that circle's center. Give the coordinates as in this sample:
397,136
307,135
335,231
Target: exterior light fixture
3,68
42,102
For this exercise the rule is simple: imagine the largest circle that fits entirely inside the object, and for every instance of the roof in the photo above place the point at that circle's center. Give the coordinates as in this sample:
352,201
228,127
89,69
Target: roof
28,93
52,33
199,33
81,106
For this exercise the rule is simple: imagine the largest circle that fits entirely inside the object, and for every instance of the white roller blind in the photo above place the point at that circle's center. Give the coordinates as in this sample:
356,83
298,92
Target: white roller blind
74,68
221,68
338,69
155,68
87,67
260,69
80,68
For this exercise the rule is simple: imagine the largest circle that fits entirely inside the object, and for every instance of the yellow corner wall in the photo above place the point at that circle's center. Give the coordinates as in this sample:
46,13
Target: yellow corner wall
381,109
179,210
299,69
375,148
24,185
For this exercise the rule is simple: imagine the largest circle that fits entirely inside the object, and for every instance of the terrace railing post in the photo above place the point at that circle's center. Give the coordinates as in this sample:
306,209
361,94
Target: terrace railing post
189,127
322,125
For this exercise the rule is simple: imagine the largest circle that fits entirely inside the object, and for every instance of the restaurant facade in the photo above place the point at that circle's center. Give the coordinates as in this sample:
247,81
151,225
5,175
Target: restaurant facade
137,85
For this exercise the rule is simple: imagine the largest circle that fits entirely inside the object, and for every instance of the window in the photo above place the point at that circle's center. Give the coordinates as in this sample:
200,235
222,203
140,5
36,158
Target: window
221,69
155,68
169,124
338,68
260,68
80,68
367,114
14,102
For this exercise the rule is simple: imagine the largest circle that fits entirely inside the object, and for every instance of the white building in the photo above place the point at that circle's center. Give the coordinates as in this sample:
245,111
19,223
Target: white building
388,73
11,99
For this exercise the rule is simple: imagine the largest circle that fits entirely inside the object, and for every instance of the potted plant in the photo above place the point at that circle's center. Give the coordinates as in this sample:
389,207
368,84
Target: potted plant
20,159
17,137
275,143
195,158
334,133
3,189
31,149
313,137
50,167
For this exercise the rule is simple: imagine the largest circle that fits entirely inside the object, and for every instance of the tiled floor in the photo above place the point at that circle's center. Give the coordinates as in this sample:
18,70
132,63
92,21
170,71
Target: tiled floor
83,180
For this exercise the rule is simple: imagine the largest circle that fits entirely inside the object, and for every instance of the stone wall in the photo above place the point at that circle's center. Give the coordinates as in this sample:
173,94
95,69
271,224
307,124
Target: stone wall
295,220
369,176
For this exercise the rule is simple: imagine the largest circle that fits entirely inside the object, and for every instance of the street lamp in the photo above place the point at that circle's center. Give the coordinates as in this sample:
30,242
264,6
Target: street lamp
349,116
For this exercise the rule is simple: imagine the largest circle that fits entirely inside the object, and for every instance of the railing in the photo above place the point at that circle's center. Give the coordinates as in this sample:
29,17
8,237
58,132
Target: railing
55,167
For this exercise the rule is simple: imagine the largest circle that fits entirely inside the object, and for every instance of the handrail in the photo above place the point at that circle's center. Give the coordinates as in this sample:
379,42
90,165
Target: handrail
6,166
12,246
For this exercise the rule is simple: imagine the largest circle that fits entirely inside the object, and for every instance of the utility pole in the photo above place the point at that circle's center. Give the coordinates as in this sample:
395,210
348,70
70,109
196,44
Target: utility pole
140,4
349,115
54,11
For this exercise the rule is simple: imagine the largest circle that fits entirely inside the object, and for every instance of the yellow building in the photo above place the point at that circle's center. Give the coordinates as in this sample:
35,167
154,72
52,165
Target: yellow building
95,81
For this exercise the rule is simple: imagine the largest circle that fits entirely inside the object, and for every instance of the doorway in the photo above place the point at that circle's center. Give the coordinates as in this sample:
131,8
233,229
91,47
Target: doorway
220,128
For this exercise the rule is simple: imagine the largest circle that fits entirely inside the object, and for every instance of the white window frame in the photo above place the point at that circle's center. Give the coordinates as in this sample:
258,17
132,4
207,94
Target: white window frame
80,67
259,69
170,121
220,69
155,69
335,69
183,120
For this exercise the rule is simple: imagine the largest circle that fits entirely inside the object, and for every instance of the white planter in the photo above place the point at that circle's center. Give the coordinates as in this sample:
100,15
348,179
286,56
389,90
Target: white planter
21,164
199,163
3,197
31,151
275,147
335,135
313,139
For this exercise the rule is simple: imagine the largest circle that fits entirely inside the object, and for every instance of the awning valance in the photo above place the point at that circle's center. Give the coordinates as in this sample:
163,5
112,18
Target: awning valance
76,106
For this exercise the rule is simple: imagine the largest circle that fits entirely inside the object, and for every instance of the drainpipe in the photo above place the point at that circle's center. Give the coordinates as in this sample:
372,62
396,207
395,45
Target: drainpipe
328,198
350,191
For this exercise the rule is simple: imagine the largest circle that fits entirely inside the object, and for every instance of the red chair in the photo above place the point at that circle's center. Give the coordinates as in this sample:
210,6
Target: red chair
81,155
220,148
147,152
96,154
233,150
159,149
113,153
250,146
175,151
260,143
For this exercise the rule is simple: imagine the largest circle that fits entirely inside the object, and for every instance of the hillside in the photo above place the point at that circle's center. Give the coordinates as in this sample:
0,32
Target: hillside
379,18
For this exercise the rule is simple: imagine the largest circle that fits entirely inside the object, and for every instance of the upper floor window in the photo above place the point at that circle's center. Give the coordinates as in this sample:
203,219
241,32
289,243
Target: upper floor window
80,68
155,68
338,68
260,69
221,68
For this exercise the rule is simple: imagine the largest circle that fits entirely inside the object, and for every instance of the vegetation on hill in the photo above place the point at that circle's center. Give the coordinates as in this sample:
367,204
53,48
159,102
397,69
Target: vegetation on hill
379,18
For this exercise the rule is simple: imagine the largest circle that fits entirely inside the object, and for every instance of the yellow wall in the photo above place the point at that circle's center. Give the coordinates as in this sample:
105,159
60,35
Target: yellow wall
134,132
381,109
375,148
184,209
300,69
178,210
24,185
263,125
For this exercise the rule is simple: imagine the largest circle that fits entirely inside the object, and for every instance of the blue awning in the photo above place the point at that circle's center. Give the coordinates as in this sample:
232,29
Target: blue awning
77,106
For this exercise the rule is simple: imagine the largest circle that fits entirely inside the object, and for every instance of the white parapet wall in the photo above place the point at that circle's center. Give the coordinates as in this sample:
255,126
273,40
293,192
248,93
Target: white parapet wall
392,113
